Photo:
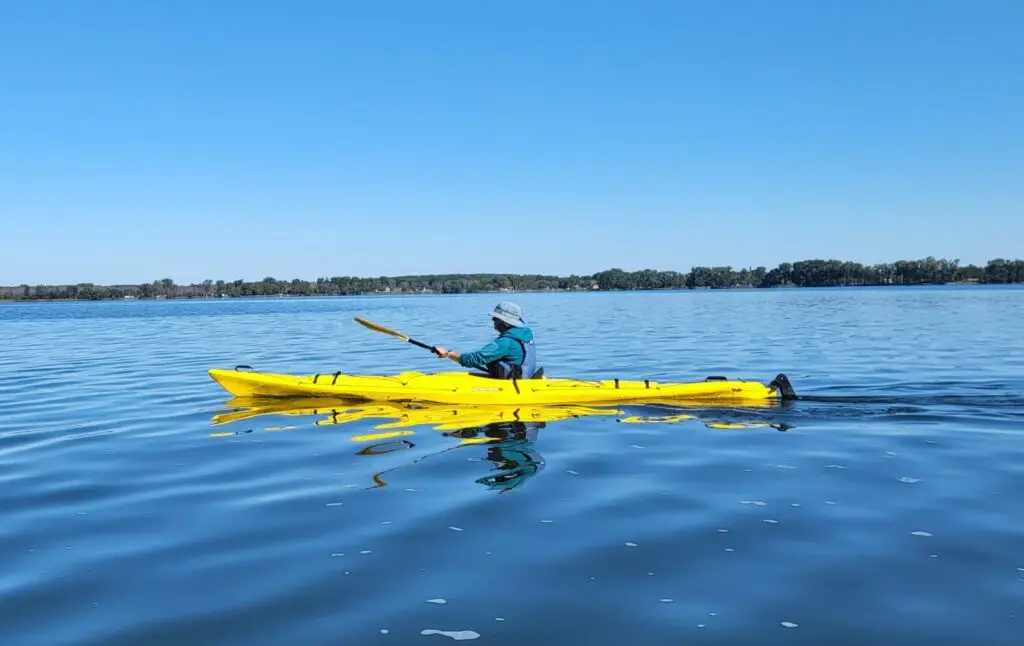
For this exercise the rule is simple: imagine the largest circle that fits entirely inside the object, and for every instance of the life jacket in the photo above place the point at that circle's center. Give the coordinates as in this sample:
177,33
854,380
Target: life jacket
504,370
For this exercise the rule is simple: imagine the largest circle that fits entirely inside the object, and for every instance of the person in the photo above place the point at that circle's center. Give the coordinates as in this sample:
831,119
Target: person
512,355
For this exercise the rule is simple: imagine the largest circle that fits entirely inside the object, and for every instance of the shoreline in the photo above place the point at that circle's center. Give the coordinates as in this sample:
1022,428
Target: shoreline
813,273
201,297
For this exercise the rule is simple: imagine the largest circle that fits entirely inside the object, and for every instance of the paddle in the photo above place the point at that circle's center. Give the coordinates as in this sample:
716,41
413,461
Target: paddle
398,335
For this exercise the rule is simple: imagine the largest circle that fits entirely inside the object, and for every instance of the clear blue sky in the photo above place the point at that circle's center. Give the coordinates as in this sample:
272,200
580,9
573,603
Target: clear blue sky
305,139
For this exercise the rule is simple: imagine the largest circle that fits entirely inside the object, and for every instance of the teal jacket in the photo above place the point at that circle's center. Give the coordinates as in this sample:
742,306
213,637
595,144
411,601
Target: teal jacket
503,348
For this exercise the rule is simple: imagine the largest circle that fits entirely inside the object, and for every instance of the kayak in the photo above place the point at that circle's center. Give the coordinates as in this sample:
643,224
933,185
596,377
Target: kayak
472,388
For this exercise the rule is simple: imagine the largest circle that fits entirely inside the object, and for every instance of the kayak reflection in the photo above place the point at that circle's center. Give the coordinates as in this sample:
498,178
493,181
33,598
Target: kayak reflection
452,416
445,417
670,418
509,432
403,415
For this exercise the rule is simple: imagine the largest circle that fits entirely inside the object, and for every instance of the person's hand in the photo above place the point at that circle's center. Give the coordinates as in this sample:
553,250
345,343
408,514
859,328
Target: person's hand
441,353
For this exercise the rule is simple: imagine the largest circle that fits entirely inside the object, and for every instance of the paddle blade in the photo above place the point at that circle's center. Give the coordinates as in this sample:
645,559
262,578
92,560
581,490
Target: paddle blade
380,328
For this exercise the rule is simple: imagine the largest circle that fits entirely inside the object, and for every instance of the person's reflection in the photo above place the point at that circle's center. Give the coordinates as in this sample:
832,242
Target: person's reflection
512,451
510,446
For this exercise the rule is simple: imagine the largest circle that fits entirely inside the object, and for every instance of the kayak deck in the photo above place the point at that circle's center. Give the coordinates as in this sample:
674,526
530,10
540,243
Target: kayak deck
469,388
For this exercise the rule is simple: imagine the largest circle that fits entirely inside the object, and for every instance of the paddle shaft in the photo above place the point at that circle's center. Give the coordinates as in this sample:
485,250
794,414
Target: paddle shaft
376,327
425,346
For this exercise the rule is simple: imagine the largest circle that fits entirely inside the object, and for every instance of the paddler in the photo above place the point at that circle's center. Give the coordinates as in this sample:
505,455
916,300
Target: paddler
511,355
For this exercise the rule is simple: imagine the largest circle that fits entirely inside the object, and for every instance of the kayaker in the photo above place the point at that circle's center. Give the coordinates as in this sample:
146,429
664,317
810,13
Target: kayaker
511,355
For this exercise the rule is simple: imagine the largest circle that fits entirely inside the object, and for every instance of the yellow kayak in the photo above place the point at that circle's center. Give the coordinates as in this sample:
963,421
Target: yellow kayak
469,388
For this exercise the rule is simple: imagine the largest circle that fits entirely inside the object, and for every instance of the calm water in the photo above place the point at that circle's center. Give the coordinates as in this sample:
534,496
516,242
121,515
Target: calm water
887,509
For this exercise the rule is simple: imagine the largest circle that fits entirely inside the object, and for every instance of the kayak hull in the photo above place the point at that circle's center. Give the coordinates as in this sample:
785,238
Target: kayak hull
469,388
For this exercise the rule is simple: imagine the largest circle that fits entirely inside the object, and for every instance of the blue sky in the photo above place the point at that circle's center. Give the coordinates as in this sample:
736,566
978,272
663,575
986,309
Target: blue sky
306,139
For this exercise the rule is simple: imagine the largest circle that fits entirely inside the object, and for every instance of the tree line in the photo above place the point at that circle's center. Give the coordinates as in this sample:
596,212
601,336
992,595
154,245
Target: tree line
804,273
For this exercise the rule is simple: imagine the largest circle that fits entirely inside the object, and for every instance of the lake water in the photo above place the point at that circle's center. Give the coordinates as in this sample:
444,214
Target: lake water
885,509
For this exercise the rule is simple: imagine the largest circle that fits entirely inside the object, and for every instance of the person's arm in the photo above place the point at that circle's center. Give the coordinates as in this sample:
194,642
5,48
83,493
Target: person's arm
478,358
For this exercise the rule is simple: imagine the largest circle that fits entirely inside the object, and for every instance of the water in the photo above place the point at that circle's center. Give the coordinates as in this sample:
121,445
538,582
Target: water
884,509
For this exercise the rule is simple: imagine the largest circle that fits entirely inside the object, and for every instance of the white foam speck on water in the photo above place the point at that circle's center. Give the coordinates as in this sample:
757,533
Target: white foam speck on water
701,625
365,552
385,522
835,466
337,554
349,486
383,631
789,624
410,489
759,503
909,480
547,521
794,504
650,574
921,533
729,549
1020,569
723,531
667,600
334,504
713,614
456,529
437,601
630,544
571,472
830,502
635,446
935,556
499,619
770,521
890,454
457,635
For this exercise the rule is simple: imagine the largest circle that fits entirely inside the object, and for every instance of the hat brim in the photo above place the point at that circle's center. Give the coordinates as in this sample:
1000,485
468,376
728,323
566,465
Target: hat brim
505,318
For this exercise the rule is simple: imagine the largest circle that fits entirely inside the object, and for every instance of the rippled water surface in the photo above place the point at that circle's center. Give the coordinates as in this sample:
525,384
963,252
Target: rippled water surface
141,505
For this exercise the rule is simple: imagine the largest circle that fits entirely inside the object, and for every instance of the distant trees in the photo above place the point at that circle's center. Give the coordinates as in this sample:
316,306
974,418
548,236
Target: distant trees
803,273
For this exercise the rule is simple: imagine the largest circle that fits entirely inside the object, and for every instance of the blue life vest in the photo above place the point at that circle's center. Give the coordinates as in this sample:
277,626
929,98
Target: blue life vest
504,370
